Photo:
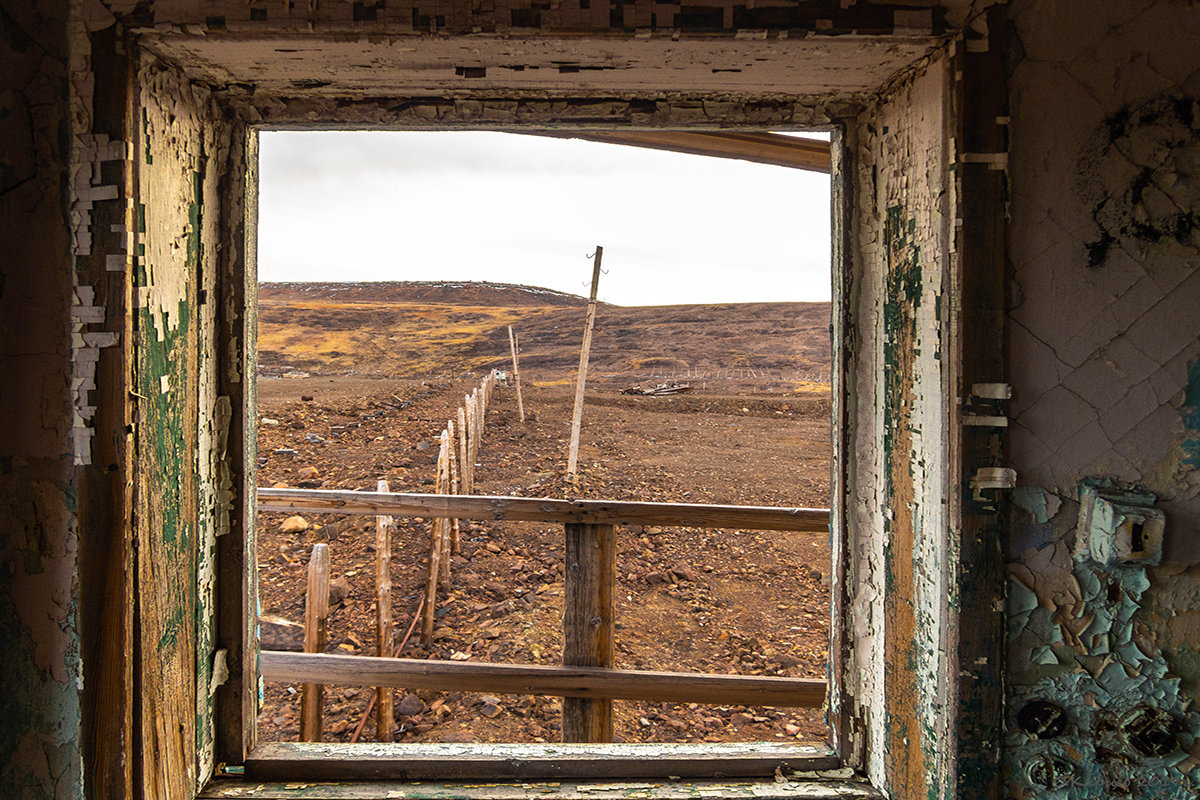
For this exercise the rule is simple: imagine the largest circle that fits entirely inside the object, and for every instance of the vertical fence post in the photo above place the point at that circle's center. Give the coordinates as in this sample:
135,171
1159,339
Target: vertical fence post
443,526
316,613
512,345
434,574
464,436
385,717
588,624
455,482
581,378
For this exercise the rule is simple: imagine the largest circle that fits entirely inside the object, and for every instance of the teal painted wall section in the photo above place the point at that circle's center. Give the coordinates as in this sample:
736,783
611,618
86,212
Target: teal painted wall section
1104,340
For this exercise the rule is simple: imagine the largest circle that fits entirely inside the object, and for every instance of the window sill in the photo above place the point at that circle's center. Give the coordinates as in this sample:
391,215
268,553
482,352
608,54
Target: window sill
833,785
368,761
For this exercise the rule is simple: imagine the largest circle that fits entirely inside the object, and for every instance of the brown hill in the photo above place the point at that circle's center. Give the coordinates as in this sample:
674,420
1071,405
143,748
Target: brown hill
468,293
424,329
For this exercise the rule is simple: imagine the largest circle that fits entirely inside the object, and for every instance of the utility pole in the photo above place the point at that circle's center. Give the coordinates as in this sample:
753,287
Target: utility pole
577,415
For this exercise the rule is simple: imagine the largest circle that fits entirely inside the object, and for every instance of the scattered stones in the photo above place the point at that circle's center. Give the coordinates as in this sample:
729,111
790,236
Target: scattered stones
490,710
307,473
409,705
307,398
681,573
339,590
269,422
294,524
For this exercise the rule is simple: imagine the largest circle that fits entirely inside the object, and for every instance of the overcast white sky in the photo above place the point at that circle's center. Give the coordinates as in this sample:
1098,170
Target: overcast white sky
375,206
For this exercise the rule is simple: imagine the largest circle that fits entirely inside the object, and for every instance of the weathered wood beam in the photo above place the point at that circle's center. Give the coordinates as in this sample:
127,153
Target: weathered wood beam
761,148
316,614
588,625
293,761
543,509
589,682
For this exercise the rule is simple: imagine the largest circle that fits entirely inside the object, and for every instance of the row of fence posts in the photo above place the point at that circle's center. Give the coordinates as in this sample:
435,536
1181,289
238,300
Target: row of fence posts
458,450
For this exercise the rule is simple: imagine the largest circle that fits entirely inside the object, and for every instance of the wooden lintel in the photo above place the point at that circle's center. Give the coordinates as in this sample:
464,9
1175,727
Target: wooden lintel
761,148
294,761
590,682
542,509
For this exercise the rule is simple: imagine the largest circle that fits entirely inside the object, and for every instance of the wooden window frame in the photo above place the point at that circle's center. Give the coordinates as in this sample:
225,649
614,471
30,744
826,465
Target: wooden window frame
237,610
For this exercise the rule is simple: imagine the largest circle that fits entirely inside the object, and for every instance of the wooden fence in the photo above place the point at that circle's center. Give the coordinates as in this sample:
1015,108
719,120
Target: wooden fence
586,680
458,451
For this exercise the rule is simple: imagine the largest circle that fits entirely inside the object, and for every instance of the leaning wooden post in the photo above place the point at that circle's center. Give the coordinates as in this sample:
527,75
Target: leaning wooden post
443,487
463,442
577,414
455,482
588,625
385,717
434,575
316,613
512,346
473,441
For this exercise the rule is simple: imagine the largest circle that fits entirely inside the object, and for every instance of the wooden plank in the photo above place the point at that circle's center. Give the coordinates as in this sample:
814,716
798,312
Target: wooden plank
464,435
977,660
291,761
761,148
581,378
541,679
455,483
442,523
544,509
316,613
237,602
512,346
384,636
588,625
105,495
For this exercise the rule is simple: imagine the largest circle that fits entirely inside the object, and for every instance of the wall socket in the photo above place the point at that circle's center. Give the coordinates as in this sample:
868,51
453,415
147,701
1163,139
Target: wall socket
1118,526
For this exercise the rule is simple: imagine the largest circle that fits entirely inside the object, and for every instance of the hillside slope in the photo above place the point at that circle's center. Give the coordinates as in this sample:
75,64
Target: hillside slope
423,329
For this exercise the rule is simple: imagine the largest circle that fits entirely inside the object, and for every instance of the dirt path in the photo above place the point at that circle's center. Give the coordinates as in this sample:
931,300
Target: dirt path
688,600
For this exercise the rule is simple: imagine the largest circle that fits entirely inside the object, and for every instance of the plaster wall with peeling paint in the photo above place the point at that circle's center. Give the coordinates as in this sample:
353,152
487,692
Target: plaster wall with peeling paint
1104,359
898,433
122,193
39,440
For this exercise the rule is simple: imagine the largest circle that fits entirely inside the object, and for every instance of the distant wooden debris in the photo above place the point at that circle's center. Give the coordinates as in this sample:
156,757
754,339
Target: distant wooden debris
659,390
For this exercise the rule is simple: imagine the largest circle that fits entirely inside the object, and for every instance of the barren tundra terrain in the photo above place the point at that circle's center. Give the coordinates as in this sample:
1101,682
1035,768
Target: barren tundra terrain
755,430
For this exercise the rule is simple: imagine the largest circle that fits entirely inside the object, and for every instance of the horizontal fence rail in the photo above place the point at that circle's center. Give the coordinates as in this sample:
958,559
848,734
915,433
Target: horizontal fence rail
542,509
587,681
538,679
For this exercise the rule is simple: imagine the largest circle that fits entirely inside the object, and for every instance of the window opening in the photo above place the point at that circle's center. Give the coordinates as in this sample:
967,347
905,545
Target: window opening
367,350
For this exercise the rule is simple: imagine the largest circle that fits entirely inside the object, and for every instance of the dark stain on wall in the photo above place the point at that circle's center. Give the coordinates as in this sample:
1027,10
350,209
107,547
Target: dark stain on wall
1141,177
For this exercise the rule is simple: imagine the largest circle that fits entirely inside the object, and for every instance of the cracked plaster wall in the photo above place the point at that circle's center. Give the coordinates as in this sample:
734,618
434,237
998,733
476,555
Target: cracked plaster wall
1104,359
899,486
39,684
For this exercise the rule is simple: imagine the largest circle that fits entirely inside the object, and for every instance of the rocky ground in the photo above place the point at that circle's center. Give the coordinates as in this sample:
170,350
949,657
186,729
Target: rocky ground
721,601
